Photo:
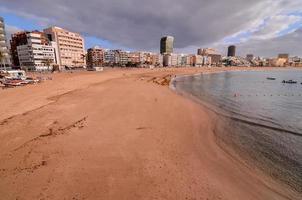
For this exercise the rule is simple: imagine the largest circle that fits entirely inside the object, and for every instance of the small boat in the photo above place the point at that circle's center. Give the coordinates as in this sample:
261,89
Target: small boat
13,82
289,82
271,78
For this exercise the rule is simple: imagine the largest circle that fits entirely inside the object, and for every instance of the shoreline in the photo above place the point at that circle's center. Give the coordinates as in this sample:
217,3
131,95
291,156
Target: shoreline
117,135
222,118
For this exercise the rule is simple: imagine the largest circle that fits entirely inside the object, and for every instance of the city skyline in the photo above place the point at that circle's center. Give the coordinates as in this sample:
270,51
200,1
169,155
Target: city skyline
278,27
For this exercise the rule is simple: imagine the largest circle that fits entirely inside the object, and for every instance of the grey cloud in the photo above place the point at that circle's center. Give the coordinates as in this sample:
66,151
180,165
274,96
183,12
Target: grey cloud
138,24
272,47
11,30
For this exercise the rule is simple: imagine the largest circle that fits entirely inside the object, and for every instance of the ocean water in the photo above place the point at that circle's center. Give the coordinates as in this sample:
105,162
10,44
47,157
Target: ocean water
259,119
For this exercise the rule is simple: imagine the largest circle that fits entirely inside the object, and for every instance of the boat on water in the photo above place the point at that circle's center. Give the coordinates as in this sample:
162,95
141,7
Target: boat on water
271,78
289,82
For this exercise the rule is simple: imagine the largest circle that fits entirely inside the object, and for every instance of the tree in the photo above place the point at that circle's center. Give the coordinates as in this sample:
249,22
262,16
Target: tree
84,57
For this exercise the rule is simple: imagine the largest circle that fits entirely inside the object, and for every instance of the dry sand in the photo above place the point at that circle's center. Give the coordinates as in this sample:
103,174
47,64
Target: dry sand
118,134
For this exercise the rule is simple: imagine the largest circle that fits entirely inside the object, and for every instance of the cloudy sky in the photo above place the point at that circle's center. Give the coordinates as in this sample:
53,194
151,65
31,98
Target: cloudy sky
261,27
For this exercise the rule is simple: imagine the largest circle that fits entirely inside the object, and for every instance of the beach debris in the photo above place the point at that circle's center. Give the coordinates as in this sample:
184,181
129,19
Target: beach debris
163,81
142,128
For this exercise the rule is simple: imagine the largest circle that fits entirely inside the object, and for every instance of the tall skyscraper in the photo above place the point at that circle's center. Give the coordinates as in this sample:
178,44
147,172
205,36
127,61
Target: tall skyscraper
70,46
232,51
166,45
5,62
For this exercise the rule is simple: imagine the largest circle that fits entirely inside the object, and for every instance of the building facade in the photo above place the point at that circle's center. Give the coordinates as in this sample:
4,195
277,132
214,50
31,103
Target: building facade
198,61
122,57
157,60
21,38
212,55
17,39
5,56
166,45
38,53
134,59
95,57
71,52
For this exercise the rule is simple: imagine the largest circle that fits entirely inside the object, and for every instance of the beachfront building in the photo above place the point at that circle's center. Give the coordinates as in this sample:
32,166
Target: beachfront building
174,60
198,60
25,38
134,59
5,57
116,57
211,54
187,60
295,61
284,56
121,57
170,60
109,57
156,60
144,59
166,45
17,39
37,53
95,57
70,45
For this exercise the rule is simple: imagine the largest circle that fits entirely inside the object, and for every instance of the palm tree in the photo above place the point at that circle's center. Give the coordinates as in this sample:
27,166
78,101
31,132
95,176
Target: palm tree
84,57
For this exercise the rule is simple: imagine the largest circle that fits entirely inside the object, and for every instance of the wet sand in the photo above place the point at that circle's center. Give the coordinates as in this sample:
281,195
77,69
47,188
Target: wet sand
118,134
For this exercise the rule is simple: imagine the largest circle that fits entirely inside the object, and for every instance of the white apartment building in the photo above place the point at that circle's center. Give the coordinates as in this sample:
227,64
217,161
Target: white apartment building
70,47
37,54
5,62
109,56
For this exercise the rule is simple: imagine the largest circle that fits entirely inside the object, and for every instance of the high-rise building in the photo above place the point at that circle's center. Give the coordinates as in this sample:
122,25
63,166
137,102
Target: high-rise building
37,53
166,45
5,60
167,60
95,57
232,51
70,45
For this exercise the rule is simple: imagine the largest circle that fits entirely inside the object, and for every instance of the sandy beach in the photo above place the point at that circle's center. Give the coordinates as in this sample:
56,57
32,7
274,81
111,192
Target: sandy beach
118,134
